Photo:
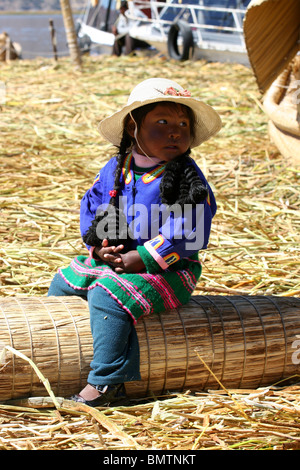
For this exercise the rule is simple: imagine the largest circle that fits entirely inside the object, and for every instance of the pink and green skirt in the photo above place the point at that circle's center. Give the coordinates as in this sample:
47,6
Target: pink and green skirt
139,294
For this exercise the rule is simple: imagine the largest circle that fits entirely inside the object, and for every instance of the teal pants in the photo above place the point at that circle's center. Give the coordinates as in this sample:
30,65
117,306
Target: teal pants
115,344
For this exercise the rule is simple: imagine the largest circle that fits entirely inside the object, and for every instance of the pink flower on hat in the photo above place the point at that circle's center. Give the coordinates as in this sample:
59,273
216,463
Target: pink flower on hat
185,93
174,92
112,193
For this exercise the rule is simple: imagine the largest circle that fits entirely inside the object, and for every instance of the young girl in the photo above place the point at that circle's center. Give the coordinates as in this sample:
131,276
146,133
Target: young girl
144,220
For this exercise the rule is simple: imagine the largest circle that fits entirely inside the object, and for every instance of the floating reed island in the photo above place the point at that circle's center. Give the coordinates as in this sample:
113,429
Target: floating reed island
50,151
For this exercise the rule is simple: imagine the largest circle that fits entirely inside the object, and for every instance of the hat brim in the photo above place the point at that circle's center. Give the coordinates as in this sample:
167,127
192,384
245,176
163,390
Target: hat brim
208,122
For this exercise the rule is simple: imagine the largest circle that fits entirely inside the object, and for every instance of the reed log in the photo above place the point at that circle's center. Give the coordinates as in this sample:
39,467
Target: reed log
245,342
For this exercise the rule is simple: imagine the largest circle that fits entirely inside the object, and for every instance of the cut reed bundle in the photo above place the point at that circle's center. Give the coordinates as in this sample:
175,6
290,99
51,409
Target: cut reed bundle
246,342
271,30
280,104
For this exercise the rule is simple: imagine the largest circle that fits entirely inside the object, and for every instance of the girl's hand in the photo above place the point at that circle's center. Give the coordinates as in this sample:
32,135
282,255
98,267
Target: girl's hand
109,254
131,262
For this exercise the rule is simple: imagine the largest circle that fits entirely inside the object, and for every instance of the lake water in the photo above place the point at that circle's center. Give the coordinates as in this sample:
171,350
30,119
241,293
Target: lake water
33,33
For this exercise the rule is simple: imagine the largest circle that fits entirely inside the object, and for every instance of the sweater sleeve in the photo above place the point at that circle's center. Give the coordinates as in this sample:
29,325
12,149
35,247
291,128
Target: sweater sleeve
182,233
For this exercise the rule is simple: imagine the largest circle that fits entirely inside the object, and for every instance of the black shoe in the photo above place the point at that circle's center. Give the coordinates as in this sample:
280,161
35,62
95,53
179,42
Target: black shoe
108,394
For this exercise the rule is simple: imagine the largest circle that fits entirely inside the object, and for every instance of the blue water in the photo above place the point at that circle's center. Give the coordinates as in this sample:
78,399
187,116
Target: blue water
33,33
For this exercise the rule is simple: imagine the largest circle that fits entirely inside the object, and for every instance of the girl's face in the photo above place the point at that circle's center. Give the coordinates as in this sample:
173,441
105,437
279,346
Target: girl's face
165,132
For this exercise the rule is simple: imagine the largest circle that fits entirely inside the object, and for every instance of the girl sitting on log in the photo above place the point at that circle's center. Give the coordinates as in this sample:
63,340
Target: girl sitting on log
143,221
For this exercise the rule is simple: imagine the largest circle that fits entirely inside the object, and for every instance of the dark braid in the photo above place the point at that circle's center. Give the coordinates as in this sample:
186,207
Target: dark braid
181,183
125,144
115,226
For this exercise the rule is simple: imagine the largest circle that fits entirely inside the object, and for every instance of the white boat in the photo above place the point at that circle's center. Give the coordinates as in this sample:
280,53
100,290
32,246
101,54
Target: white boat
181,29
94,25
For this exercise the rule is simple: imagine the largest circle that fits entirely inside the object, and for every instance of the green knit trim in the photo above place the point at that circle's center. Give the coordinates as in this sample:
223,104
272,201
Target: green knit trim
151,265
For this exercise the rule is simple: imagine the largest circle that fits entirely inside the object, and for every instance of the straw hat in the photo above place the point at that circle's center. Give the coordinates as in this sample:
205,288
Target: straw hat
155,90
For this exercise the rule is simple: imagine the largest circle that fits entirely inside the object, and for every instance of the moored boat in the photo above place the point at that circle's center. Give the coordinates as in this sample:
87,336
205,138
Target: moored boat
186,29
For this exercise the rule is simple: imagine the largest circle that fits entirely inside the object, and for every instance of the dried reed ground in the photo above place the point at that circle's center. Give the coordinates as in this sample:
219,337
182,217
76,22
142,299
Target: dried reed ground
50,152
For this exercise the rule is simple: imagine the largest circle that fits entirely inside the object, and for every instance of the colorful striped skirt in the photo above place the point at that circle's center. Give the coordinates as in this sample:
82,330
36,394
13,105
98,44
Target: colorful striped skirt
139,294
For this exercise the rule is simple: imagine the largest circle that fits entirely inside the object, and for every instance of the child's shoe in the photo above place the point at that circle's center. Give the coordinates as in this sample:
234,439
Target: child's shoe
108,394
